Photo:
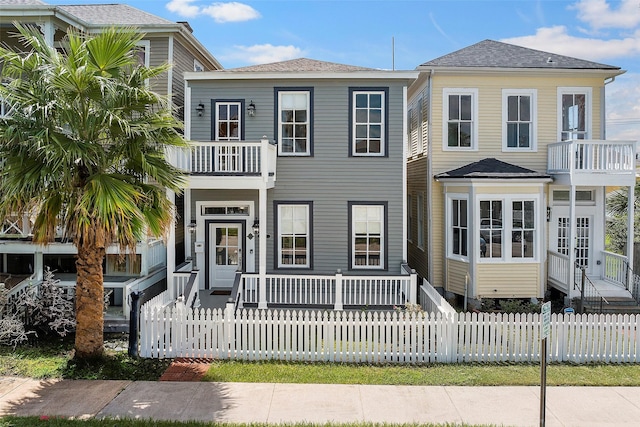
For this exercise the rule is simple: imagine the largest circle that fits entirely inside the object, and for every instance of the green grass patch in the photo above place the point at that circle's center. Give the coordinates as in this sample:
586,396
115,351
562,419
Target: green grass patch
62,422
436,374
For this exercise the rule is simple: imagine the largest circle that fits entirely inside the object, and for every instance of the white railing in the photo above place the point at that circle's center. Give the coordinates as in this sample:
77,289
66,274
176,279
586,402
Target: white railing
228,157
432,302
385,337
615,268
17,291
558,269
590,156
156,254
330,290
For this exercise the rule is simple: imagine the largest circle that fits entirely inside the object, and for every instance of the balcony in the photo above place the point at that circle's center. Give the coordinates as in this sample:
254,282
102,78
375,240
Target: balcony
229,164
592,162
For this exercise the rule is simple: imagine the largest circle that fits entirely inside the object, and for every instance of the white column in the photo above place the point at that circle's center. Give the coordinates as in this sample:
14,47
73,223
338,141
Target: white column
262,240
630,233
572,237
171,249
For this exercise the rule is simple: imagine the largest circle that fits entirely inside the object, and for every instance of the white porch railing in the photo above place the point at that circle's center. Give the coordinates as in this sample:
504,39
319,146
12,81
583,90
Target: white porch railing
615,268
432,302
591,157
228,157
558,270
330,290
156,254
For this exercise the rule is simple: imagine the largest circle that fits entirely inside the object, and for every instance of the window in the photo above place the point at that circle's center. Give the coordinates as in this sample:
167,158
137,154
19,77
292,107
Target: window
294,122
522,228
458,218
142,50
508,229
460,118
227,120
575,113
294,238
368,236
368,111
491,228
420,221
518,112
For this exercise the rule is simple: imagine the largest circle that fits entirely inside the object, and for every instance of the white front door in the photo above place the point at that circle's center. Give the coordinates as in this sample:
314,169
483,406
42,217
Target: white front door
583,239
225,254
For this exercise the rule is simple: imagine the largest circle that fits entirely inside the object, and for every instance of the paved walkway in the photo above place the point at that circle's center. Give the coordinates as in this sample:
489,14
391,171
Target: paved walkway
288,403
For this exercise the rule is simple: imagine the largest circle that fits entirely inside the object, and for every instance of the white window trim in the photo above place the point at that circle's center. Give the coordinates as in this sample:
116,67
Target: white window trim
197,66
279,112
383,243
217,119
307,265
474,117
449,224
588,92
507,221
146,44
383,123
533,93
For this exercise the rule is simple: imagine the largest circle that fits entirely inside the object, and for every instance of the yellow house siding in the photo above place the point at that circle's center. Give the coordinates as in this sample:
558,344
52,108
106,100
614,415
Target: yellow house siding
508,280
456,274
489,125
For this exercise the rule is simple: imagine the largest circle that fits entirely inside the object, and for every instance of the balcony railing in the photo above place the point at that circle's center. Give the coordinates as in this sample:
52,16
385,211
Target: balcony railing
229,158
591,157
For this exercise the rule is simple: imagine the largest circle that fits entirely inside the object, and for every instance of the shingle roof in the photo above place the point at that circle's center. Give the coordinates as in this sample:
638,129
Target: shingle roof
113,14
493,54
491,168
301,64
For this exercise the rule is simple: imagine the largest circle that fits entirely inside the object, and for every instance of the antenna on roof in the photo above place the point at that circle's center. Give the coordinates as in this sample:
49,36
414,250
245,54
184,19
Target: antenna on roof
393,53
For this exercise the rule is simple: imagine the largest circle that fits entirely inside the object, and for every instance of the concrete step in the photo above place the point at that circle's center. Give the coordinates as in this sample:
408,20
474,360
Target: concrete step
617,305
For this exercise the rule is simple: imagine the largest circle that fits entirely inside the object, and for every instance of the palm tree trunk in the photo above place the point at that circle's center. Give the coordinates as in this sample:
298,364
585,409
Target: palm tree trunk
90,295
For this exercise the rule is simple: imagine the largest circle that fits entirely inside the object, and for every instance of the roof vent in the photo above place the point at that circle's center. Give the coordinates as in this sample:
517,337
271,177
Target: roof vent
549,60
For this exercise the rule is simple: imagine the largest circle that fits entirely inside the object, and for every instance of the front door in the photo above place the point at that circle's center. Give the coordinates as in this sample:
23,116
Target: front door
225,254
583,239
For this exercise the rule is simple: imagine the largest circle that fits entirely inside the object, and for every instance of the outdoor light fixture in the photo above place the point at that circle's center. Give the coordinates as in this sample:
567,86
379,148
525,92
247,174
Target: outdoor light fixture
200,109
256,227
548,213
251,109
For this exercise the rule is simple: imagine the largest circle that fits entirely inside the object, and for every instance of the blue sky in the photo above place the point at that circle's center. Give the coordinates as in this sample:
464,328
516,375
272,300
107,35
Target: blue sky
359,32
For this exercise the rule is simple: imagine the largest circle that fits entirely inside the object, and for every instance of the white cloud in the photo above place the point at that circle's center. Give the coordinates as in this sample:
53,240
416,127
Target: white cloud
230,12
558,40
623,110
183,8
264,53
600,14
220,12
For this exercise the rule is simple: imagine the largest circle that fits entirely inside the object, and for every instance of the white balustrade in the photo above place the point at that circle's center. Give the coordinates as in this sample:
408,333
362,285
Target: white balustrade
558,269
591,156
615,268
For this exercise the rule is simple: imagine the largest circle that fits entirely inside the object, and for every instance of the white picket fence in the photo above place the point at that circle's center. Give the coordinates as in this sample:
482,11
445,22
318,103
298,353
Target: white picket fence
384,337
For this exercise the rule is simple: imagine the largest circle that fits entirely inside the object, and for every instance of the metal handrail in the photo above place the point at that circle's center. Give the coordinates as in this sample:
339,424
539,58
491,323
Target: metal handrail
594,294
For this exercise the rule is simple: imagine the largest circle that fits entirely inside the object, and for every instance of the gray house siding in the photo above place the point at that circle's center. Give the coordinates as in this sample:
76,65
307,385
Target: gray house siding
331,178
158,55
182,62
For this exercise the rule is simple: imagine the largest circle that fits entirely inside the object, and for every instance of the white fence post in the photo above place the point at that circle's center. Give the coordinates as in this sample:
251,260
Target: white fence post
338,305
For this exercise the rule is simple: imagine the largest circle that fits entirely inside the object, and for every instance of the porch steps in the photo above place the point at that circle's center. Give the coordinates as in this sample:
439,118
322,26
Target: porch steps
116,325
617,305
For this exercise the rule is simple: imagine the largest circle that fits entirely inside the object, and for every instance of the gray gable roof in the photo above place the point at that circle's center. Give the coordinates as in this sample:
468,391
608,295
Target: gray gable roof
113,14
493,54
22,2
301,64
492,169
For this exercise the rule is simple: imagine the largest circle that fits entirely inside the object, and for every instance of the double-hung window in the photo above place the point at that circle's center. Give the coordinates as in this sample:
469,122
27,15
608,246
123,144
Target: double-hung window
368,109
294,122
227,120
458,226
294,235
368,225
460,118
508,228
574,105
518,120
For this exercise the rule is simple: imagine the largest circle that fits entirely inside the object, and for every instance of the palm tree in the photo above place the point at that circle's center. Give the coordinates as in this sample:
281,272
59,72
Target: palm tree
84,149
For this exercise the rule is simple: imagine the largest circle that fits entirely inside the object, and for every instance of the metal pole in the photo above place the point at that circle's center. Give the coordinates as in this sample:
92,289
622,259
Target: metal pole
583,277
543,381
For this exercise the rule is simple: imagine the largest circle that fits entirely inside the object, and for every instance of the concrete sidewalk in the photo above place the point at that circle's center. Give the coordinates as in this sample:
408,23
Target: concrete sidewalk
287,403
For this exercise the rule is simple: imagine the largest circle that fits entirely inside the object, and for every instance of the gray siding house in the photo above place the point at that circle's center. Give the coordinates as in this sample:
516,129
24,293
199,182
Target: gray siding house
163,42
296,179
